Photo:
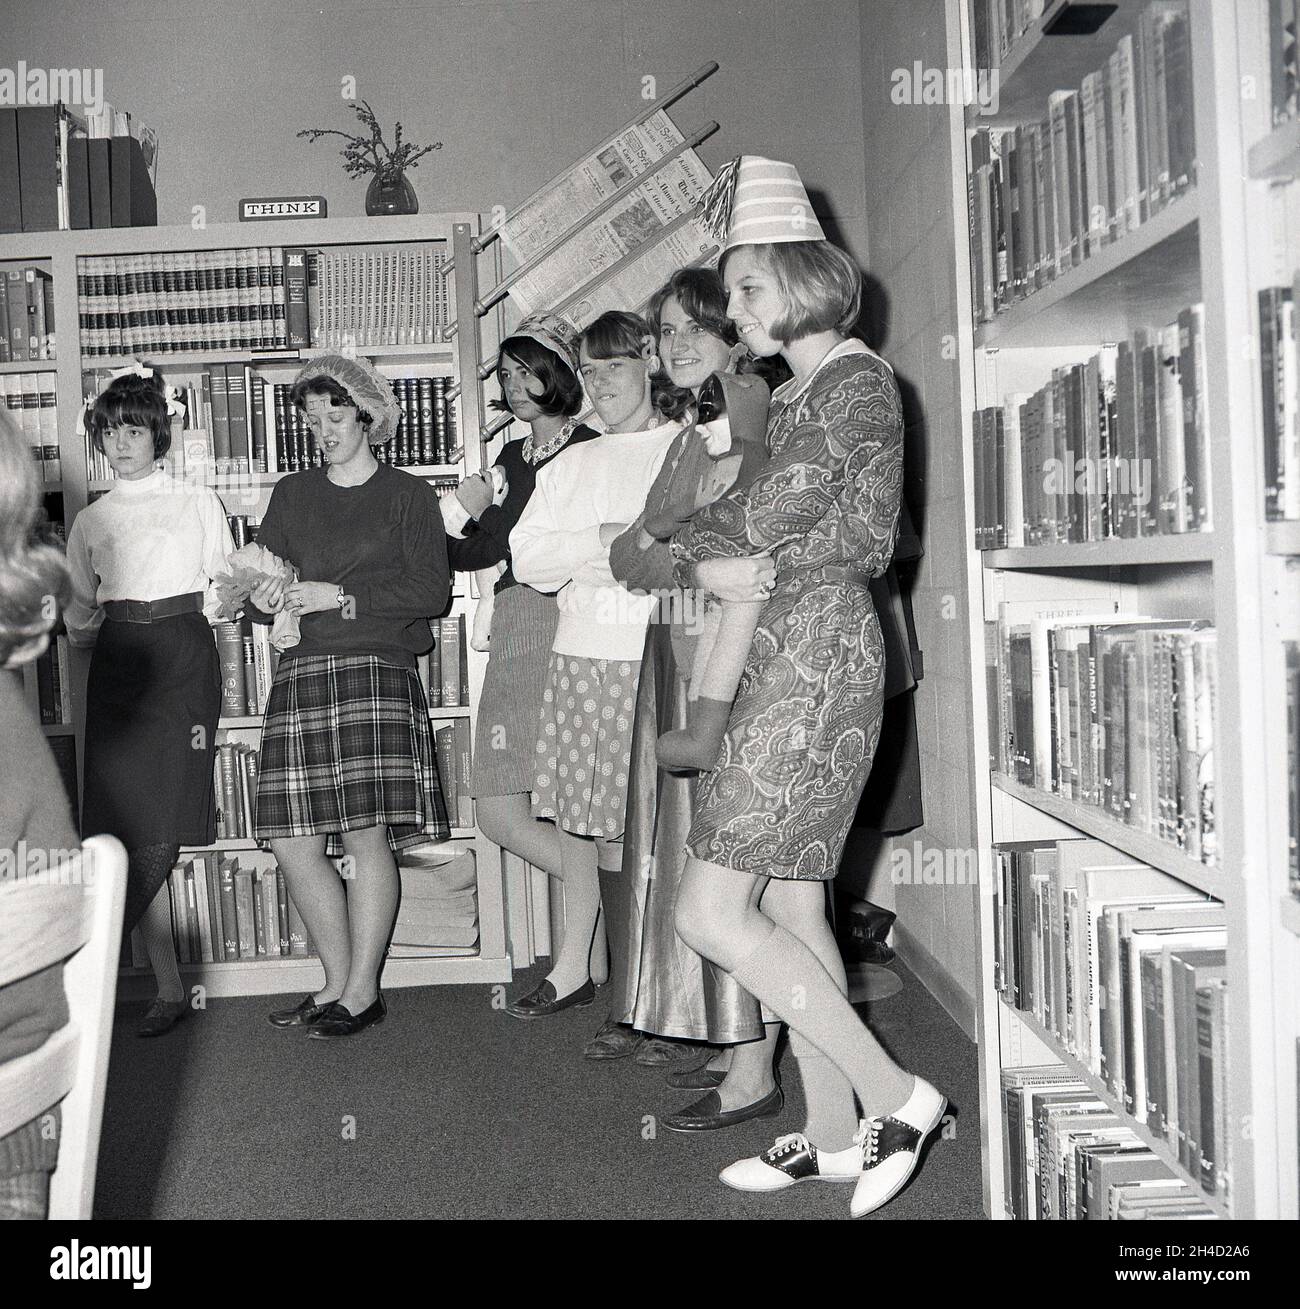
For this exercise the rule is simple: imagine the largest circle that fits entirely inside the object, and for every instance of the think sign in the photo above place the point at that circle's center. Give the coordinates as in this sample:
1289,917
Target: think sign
286,206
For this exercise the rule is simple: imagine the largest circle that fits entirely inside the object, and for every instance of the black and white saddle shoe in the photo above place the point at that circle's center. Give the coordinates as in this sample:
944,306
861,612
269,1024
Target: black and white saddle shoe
791,1159
891,1147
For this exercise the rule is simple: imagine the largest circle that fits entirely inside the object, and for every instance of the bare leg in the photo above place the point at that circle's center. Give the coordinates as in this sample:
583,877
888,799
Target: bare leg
372,897
314,885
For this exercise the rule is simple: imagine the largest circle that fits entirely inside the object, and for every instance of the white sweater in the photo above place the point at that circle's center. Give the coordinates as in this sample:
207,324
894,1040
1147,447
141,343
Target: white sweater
145,540
555,546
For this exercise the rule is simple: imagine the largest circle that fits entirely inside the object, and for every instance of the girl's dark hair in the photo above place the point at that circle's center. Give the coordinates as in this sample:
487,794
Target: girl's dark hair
132,401
33,573
336,392
702,295
561,390
617,334
703,298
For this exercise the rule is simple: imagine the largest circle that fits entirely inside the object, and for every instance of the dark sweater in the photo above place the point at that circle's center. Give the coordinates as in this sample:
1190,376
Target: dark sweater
487,542
34,810
383,542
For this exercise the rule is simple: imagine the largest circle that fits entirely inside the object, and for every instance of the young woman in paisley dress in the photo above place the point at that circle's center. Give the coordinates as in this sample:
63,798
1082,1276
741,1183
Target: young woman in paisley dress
772,817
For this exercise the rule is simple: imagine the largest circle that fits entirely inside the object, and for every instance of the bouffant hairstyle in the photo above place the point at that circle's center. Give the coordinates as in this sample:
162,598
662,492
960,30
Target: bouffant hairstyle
336,392
820,284
703,297
131,401
34,582
561,390
617,334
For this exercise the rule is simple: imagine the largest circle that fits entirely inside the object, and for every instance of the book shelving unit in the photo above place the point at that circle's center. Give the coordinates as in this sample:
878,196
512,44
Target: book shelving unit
247,493
1233,233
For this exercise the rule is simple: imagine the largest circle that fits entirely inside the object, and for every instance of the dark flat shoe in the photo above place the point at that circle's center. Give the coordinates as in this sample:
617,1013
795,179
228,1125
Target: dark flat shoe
612,1041
161,1017
659,1052
304,1012
337,1021
542,1002
707,1113
697,1079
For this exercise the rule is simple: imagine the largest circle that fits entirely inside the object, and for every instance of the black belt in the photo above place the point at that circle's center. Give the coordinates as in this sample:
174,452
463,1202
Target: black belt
150,611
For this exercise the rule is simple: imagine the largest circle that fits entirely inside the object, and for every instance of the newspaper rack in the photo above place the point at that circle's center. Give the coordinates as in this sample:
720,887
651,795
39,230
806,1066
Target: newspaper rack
638,180
481,243
628,160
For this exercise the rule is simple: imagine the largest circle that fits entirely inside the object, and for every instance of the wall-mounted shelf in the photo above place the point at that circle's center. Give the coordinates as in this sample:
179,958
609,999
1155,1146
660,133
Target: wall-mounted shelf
1145,277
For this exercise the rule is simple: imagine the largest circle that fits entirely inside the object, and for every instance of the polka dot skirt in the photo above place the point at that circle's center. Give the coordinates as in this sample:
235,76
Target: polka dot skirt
584,747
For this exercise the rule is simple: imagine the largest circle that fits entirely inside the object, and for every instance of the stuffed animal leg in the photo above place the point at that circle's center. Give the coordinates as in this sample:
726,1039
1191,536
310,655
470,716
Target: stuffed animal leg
719,662
481,633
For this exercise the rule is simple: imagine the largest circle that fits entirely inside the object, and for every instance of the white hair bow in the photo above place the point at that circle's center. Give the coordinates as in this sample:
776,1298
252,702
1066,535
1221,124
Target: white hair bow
175,406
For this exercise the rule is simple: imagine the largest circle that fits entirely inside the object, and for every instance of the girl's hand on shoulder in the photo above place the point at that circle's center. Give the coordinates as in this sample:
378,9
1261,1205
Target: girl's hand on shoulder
738,580
312,597
269,596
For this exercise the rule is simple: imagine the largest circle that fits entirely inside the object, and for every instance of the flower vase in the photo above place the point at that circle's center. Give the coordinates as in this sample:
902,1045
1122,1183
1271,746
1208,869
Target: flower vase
391,194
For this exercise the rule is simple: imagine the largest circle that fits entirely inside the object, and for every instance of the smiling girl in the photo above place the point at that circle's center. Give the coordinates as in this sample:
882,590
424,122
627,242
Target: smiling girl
540,388
347,762
583,500
773,816
142,560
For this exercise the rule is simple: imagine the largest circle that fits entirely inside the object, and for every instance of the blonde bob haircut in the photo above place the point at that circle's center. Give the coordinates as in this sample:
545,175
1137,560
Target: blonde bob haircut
33,573
820,284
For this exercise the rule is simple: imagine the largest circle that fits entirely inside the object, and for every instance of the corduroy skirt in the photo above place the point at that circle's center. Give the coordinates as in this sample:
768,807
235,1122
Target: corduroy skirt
346,745
523,631
152,703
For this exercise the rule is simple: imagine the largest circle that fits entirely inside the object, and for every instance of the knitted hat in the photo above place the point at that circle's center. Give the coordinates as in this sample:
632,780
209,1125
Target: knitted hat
556,334
369,390
753,201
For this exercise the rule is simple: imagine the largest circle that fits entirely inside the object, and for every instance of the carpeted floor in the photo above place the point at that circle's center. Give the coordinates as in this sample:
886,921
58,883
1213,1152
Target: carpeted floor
452,1109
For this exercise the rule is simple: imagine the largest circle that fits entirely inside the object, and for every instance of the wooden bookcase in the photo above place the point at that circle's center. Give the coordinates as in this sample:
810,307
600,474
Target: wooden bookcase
1234,233
456,358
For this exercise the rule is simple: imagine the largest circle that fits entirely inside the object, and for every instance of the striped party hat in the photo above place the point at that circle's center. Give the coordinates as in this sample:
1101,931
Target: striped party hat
753,201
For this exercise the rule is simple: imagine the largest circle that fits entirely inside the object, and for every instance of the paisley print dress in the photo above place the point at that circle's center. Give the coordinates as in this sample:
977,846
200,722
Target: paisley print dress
806,720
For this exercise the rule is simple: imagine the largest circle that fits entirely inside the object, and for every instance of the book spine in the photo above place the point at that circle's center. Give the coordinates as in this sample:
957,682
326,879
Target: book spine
229,914
449,648
295,298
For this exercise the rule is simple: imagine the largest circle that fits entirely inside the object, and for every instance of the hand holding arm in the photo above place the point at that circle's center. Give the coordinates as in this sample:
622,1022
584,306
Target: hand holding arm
736,579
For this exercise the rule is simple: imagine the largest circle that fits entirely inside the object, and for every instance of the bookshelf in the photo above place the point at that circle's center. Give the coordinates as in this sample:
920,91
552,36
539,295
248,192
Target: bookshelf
247,493
1233,233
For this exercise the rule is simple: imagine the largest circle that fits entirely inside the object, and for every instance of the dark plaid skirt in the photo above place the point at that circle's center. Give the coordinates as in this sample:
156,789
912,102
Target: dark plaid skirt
346,745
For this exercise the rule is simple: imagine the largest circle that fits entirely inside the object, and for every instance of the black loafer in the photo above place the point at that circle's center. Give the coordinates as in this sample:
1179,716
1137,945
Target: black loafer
337,1021
304,1012
161,1017
612,1041
665,1052
542,1001
707,1113
697,1079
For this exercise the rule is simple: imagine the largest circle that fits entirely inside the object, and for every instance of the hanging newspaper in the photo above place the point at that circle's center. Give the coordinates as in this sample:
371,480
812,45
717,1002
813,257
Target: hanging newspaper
637,222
